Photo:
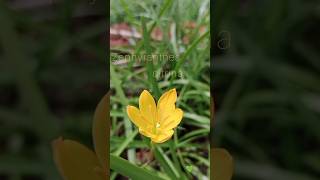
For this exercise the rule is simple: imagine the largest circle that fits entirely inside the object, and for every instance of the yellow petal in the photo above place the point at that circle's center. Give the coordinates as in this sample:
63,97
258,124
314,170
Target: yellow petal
166,104
222,164
147,132
147,107
76,162
136,117
172,120
163,136
100,130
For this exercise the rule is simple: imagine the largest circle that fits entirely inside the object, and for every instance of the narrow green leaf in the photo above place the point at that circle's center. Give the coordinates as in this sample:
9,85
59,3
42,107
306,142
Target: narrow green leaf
189,50
125,143
116,81
166,163
165,6
150,68
127,169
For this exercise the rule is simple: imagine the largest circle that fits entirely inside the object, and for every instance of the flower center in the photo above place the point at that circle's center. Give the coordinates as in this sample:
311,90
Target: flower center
157,125
155,128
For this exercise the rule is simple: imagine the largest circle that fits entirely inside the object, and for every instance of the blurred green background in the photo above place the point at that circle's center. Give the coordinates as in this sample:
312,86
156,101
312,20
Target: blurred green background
53,72
266,86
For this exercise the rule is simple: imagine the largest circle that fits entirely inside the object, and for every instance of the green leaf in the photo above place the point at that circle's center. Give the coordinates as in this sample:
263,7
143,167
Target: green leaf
183,58
189,168
125,143
125,168
150,66
166,163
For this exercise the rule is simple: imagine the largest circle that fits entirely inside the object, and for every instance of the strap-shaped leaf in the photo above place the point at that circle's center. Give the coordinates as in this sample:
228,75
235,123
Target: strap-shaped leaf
132,171
166,163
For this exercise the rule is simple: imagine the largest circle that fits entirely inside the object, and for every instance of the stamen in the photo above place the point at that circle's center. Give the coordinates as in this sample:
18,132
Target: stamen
157,125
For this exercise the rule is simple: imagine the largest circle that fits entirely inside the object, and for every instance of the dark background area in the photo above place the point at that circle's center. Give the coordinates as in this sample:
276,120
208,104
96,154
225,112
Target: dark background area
266,85
53,72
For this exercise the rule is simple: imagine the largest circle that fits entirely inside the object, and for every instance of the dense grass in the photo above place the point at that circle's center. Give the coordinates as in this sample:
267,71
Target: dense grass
188,73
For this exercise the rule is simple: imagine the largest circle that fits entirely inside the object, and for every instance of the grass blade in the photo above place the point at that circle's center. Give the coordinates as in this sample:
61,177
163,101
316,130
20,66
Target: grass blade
166,163
127,169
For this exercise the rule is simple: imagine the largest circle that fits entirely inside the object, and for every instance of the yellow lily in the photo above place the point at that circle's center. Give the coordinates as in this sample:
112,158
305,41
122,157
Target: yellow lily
156,121
77,162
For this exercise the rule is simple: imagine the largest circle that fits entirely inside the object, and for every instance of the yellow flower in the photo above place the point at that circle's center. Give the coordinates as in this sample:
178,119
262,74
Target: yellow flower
156,121
77,162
